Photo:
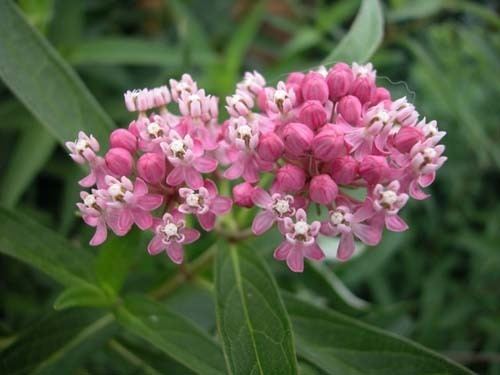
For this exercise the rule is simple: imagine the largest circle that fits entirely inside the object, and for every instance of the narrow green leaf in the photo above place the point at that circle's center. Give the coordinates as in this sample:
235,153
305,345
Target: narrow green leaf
363,38
341,345
242,38
115,258
251,318
173,334
31,153
46,84
415,9
325,283
81,296
125,51
57,343
31,243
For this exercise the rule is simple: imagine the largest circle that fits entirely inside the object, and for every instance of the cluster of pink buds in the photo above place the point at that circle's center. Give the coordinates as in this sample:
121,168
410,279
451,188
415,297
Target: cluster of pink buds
320,135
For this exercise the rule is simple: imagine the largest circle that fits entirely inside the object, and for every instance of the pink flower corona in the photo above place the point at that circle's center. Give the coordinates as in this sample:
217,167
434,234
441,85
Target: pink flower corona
295,148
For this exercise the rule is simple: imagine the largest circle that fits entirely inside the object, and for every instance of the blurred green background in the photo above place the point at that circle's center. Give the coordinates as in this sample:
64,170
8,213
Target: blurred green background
438,284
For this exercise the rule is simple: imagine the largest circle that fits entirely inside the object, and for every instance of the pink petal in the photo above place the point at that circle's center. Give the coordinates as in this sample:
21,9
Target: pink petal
234,171
205,164
251,171
176,176
262,222
395,223
221,205
314,252
327,230
175,252
346,246
190,235
427,179
282,250
295,259
156,245
100,235
193,178
261,198
211,187
150,202
88,181
417,193
120,221
143,219
369,234
140,187
366,211
207,220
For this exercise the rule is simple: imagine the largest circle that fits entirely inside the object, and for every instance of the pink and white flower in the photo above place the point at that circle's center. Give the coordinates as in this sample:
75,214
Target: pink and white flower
171,235
342,221
276,208
300,241
188,159
205,203
128,203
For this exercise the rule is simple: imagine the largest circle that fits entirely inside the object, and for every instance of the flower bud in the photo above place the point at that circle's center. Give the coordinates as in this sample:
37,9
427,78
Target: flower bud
270,147
323,189
373,169
289,178
295,78
314,87
123,138
119,161
297,138
313,114
345,170
151,167
350,109
364,89
328,143
242,194
339,81
381,94
262,100
407,137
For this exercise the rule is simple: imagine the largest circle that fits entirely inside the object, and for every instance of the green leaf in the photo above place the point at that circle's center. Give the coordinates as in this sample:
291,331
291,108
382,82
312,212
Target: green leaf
115,258
341,345
57,343
31,243
251,318
241,40
322,281
46,84
31,153
125,51
415,9
365,35
173,334
81,296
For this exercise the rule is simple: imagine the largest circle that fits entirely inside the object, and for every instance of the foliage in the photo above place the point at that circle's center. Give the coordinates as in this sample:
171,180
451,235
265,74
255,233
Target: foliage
438,285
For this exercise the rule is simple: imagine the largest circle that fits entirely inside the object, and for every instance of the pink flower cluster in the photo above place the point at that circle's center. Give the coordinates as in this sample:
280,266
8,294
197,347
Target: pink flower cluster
320,134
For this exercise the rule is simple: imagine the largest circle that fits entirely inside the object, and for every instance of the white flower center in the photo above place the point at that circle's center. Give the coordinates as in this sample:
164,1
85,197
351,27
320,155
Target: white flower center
244,131
389,197
281,206
177,146
81,145
193,200
363,71
154,129
301,228
429,153
116,191
170,230
383,116
89,200
337,218
280,95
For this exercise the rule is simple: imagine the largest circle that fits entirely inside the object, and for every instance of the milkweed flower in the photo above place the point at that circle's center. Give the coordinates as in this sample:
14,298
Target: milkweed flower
289,149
